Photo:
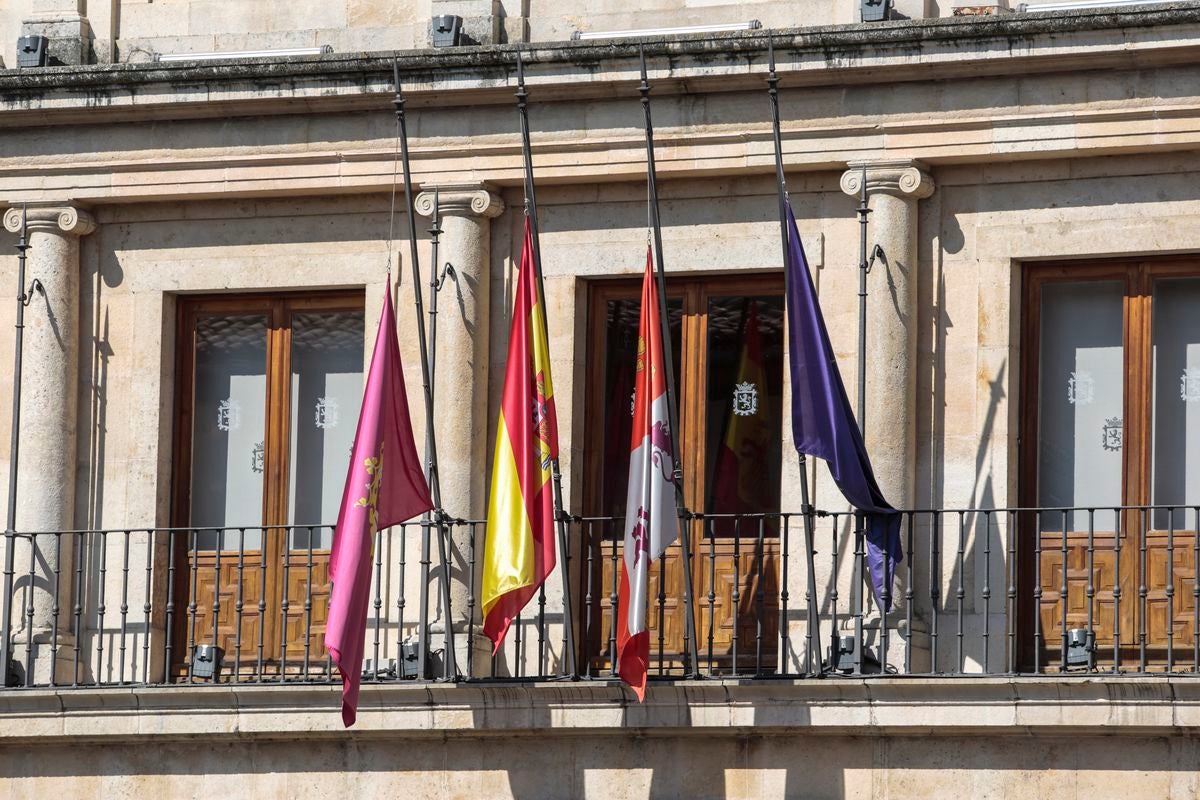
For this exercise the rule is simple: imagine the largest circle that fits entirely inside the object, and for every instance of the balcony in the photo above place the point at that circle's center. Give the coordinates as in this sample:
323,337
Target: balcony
1072,593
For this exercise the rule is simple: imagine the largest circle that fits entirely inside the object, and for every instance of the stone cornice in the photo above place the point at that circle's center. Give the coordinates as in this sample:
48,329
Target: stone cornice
893,51
53,218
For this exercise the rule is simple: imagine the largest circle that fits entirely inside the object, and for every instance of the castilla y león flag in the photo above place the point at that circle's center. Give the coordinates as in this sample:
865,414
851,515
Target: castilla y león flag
384,486
651,522
519,550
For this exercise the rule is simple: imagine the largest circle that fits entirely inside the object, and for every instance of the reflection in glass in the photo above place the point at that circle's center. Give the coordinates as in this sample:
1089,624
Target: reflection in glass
1175,425
326,394
621,332
228,428
743,422
1081,401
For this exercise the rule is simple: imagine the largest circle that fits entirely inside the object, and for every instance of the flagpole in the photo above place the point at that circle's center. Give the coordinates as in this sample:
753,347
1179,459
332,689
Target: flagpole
10,529
431,459
806,509
557,493
669,358
857,573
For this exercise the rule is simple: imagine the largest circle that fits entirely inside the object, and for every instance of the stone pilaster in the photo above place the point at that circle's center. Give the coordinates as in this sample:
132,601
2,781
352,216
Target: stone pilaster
46,473
893,189
461,372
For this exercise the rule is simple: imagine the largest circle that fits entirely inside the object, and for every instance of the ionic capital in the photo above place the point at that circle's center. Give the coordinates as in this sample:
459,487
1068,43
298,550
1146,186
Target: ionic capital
460,199
50,218
904,178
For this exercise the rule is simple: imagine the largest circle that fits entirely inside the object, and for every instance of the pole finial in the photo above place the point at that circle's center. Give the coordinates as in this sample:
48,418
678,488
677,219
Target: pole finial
771,54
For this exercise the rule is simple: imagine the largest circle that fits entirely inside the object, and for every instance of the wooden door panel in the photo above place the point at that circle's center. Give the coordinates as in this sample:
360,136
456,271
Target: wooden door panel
673,607
225,588
308,612
1178,606
717,607
1159,606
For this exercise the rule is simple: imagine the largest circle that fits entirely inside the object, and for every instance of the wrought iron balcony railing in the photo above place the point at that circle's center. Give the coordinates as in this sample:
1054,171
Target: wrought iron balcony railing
999,591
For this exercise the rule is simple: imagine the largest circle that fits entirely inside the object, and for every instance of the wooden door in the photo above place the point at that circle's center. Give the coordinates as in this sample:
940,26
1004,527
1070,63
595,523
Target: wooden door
1108,350
268,396
724,455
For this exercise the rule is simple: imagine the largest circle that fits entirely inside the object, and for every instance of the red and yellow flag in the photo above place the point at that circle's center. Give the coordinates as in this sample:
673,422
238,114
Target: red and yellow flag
519,550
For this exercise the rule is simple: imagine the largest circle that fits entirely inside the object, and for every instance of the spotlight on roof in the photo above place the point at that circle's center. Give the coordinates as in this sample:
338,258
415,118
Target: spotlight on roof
751,25
228,55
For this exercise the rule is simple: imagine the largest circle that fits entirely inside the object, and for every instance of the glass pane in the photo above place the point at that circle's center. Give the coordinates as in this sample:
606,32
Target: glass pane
1175,433
744,408
327,384
621,330
228,427
1081,401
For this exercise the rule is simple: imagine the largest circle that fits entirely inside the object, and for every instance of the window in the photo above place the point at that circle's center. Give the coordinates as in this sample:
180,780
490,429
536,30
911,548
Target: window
727,335
1111,417
268,395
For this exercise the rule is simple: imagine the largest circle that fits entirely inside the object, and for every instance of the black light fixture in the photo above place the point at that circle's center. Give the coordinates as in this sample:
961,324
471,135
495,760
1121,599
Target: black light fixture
875,10
1081,651
447,30
206,661
32,51
408,660
843,660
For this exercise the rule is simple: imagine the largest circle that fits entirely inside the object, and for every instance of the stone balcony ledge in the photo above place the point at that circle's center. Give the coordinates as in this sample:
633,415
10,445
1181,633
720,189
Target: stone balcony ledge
841,706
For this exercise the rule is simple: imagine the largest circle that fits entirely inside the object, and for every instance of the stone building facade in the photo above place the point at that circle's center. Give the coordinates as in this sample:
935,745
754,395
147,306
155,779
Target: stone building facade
208,235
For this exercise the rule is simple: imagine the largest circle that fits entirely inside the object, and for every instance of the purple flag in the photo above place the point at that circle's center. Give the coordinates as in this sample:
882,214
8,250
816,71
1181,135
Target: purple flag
823,425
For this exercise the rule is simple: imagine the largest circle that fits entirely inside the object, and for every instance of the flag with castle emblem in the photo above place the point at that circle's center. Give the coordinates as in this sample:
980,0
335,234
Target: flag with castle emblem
518,552
651,521
384,487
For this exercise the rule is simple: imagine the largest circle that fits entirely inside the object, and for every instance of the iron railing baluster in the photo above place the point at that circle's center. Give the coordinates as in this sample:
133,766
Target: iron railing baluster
147,608
909,593
783,667
1062,594
1037,595
239,605
1143,591
54,610
960,594
124,609
935,588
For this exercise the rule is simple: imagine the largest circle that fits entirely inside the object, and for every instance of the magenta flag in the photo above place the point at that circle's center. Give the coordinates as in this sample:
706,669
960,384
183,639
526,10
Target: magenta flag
384,486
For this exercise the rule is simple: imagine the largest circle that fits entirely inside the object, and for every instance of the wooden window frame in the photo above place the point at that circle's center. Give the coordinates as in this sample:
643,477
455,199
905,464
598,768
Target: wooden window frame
278,308
1137,276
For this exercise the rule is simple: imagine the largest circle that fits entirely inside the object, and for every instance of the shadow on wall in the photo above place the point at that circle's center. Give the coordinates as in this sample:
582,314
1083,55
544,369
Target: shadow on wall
604,765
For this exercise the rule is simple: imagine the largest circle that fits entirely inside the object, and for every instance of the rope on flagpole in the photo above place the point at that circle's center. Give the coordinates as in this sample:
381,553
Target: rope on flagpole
560,516
450,669
812,661
685,516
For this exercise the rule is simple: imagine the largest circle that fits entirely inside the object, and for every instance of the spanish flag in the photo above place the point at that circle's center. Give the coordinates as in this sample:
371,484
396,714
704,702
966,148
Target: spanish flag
519,550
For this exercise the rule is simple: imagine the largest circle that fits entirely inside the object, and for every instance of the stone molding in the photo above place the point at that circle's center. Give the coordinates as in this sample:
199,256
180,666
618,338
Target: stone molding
1048,705
54,218
905,178
460,199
